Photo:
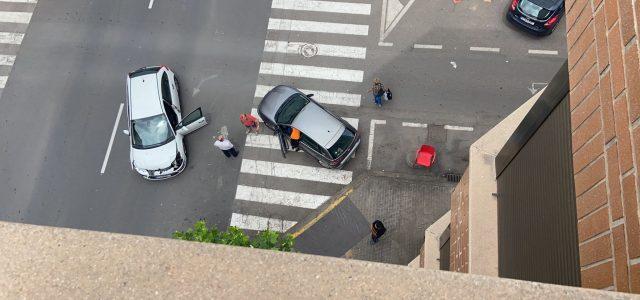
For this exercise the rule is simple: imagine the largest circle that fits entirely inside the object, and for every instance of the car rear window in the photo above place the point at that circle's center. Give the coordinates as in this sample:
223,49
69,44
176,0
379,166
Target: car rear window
290,109
342,143
533,10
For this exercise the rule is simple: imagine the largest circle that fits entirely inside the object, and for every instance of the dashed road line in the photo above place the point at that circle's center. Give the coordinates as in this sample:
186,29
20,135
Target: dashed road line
424,46
543,52
250,222
385,44
372,130
270,196
323,49
301,172
303,71
323,6
321,27
416,125
484,49
324,97
459,128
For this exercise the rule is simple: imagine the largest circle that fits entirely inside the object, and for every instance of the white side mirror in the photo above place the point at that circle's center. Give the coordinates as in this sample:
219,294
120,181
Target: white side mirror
125,131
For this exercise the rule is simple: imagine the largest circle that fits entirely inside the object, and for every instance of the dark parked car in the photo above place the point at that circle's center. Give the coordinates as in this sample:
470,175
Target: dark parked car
323,135
537,16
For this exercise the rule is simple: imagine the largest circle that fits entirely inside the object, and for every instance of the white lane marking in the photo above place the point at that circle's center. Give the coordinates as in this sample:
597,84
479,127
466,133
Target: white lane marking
323,97
417,125
263,141
323,49
372,130
268,168
7,60
11,38
322,27
113,135
303,71
254,112
460,128
263,195
260,223
15,17
352,121
384,29
384,44
543,52
484,49
323,6
150,4
3,81
423,46
21,1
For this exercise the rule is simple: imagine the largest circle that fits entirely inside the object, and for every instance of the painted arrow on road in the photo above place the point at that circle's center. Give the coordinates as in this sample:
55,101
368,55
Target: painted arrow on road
533,88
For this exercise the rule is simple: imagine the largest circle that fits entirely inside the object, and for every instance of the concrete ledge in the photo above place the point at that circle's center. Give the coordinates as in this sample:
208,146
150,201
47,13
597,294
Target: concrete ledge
432,242
53,263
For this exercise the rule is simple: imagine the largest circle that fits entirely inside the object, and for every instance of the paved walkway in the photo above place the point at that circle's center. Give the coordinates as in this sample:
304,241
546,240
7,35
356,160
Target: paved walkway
407,205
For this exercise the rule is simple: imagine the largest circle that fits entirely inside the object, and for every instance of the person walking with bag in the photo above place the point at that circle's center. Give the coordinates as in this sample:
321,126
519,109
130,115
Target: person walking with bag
226,146
378,91
377,230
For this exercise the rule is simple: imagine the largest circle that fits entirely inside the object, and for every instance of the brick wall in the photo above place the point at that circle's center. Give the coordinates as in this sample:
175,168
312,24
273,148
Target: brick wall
459,241
604,72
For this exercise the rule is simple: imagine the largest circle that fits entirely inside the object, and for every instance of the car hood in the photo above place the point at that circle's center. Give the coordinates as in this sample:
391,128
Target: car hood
318,124
155,158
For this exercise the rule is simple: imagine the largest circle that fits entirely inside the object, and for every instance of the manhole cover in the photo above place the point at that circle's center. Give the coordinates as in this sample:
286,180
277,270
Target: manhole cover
308,50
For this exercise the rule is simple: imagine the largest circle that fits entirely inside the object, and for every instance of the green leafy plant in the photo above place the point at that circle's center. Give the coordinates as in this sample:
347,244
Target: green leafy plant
267,239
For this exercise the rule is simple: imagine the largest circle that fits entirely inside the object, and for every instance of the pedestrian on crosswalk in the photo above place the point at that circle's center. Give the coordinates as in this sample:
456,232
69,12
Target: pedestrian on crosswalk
378,91
250,122
377,230
226,146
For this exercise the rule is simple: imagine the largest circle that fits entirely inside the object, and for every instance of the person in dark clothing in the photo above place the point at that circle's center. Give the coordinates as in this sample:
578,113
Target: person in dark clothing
377,230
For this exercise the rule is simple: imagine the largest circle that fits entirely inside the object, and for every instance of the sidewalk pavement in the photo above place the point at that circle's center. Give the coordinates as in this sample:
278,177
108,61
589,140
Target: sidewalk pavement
406,204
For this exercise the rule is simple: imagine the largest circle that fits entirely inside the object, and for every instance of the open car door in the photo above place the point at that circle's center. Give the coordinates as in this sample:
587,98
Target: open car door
193,121
283,143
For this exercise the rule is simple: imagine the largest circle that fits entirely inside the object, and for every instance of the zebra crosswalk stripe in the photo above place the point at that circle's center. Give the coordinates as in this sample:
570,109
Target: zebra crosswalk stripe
15,17
323,49
250,222
270,196
268,168
323,6
314,72
320,27
11,38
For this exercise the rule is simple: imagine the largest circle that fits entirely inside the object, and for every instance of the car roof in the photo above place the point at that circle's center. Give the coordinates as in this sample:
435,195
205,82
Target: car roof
272,101
319,125
144,96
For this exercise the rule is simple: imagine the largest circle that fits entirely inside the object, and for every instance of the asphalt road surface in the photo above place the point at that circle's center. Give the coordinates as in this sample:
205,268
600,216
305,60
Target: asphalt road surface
63,96
455,70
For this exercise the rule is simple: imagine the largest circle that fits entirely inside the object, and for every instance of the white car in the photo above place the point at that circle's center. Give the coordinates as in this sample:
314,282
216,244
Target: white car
156,127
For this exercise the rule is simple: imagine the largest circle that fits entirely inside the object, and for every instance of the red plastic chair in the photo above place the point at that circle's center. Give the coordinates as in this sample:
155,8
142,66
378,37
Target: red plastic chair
426,156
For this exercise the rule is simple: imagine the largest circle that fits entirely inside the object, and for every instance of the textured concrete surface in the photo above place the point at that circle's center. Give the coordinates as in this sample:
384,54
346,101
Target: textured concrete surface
406,204
39,262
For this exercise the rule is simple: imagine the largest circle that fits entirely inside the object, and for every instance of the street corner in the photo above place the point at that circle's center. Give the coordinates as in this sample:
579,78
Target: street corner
395,145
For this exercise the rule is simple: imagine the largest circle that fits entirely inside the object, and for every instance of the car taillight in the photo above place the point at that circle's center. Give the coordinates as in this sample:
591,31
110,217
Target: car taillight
514,3
551,21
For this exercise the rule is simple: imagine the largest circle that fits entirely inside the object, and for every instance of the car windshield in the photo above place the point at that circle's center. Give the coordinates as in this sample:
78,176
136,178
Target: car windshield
533,10
290,109
342,143
150,132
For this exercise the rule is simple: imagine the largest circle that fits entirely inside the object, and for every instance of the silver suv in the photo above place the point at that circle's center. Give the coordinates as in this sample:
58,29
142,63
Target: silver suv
326,137
156,125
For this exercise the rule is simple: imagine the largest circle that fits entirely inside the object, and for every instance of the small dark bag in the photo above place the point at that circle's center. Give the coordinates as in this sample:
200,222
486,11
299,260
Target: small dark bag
388,94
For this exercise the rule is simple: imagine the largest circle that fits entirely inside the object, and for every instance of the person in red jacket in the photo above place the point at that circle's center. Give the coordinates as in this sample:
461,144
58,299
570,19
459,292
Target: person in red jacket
250,122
